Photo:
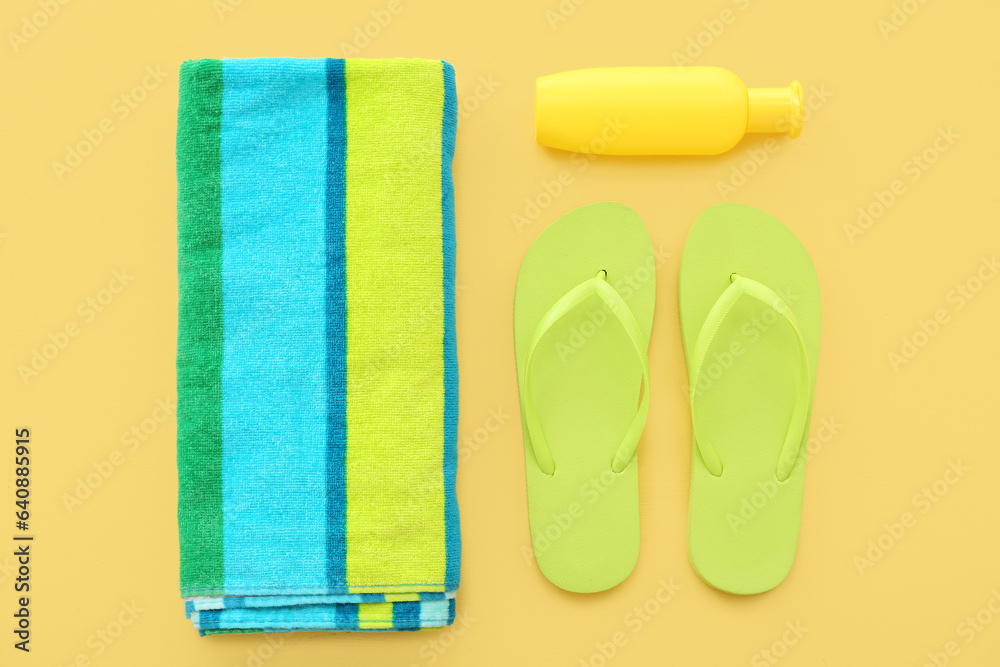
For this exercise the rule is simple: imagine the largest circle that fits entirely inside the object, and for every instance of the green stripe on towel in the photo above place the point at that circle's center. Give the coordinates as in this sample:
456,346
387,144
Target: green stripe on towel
199,333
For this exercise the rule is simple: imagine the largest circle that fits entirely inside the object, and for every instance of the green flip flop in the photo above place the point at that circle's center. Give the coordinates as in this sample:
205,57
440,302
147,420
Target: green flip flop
583,312
750,323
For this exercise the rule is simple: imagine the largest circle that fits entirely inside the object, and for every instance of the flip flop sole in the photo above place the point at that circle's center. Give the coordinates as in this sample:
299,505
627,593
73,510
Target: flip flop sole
743,526
586,383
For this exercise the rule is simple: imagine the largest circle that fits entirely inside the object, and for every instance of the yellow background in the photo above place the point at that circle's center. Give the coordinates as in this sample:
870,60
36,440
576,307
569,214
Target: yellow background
876,98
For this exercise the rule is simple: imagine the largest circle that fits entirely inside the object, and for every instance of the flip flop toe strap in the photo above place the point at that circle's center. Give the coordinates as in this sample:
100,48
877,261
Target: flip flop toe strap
741,286
597,285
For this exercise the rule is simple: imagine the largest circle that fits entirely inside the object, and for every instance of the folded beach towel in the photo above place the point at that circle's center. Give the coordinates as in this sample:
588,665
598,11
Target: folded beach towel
316,368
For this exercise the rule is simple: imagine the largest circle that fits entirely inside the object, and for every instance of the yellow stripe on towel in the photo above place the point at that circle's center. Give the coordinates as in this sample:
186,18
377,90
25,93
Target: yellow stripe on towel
374,615
435,588
395,328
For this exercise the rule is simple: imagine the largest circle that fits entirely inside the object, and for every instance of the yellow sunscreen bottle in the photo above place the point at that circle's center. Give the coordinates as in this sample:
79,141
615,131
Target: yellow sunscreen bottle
659,110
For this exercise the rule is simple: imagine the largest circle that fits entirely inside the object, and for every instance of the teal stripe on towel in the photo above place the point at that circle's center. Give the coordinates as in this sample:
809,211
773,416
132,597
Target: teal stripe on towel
336,327
453,540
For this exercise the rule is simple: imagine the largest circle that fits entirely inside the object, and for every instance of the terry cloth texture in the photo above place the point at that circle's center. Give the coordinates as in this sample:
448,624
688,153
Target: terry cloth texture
316,370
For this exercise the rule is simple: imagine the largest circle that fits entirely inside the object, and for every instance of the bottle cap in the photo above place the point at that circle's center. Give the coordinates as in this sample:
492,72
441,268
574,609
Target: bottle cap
776,109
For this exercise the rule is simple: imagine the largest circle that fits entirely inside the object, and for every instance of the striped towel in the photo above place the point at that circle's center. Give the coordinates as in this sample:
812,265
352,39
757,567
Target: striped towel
316,367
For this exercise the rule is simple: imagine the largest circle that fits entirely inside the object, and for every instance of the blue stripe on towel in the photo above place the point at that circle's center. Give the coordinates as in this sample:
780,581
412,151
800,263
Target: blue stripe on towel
234,602
336,326
208,620
273,272
406,615
347,616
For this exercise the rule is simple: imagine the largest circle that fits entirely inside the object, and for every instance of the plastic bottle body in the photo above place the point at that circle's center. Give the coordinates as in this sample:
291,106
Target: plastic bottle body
657,110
